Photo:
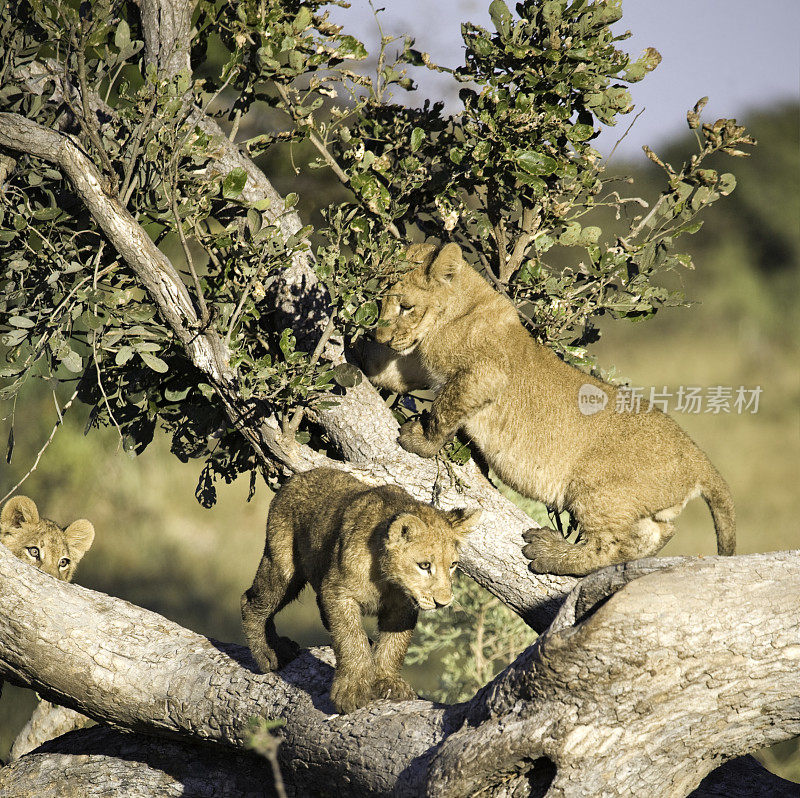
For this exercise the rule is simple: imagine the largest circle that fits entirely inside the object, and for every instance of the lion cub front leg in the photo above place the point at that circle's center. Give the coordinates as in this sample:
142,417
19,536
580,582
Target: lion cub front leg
462,396
354,678
395,627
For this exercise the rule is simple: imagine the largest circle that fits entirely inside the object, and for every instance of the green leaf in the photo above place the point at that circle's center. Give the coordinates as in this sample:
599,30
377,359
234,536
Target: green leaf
15,337
155,363
367,314
535,163
416,138
590,235
173,395
727,183
72,361
350,47
501,16
46,214
124,354
571,235
122,37
347,375
303,19
580,132
234,183
21,321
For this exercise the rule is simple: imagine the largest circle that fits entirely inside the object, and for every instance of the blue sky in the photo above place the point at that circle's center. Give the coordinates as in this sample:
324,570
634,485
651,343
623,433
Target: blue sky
743,54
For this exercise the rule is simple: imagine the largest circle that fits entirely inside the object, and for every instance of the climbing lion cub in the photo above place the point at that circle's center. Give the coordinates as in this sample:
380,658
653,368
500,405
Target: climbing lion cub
364,550
624,477
41,542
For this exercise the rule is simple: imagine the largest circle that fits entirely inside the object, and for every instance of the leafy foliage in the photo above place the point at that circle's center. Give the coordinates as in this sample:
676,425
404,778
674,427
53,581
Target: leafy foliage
511,176
475,639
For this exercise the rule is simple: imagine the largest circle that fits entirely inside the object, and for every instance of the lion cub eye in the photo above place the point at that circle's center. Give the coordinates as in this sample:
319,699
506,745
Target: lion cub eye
454,566
33,551
63,562
424,566
406,309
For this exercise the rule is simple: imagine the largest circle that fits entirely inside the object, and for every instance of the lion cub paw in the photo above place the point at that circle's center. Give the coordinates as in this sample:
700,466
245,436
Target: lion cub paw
349,694
271,659
394,688
412,439
544,550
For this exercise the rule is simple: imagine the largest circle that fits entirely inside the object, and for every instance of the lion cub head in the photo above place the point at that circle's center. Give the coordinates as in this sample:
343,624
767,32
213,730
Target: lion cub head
421,553
421,298
41,542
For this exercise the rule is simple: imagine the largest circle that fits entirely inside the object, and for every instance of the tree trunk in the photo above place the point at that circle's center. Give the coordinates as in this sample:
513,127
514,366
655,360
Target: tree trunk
650,676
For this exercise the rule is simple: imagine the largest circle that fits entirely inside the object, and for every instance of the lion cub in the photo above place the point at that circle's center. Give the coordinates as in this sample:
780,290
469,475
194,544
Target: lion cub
624,477
363,550
41,542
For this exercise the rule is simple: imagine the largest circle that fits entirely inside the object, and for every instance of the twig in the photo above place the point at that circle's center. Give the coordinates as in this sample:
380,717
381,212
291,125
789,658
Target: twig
42,450
326,154
529,224
134,150
614,149
89,127
292,426
636,230
237,118
201,301
237,312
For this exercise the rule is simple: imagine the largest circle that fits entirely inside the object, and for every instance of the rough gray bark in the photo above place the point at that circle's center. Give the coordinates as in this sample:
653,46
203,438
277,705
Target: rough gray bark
47,722
103,762
651,675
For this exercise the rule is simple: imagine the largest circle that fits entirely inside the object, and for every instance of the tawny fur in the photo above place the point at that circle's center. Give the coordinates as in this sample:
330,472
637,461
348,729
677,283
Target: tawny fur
41,542
363,550
623,476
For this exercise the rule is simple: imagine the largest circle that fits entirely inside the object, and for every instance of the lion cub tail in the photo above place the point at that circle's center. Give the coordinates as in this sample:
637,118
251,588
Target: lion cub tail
718,497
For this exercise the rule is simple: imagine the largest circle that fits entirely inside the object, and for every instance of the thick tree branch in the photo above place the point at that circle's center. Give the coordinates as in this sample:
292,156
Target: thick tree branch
706,650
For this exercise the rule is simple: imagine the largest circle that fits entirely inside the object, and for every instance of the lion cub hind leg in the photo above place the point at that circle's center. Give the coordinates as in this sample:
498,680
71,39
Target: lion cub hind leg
549,553
276,584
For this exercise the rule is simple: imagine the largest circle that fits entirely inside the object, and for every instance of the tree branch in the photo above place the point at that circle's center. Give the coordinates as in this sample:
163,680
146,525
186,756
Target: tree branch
706,650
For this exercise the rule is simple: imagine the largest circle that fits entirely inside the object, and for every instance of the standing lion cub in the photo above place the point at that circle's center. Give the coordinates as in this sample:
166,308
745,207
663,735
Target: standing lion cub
624,477
364,550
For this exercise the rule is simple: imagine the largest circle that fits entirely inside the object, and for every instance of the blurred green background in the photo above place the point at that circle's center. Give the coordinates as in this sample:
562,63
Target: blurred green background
158,548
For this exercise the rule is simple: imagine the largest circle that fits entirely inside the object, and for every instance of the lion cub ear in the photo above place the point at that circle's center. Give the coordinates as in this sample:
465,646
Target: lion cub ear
80,536
421,253
18,511
446,264
462,520
404,526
